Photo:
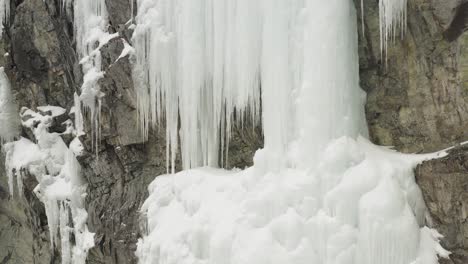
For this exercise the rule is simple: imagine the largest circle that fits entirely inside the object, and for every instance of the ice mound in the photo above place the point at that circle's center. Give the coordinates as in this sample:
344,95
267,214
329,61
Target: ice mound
360,205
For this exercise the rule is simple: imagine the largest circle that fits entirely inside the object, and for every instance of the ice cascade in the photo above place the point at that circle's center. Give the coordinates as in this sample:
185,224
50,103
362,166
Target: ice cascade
318,192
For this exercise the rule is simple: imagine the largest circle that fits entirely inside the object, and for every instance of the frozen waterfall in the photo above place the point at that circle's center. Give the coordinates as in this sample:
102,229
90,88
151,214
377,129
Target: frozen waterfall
318,192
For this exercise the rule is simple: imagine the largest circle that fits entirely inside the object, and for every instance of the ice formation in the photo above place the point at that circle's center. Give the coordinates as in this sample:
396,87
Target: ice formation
392,18
318,192
4,13
214,73
212,77
60,188
90,24
9,118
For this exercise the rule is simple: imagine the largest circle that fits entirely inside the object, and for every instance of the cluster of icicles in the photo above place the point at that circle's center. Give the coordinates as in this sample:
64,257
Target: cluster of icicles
200,65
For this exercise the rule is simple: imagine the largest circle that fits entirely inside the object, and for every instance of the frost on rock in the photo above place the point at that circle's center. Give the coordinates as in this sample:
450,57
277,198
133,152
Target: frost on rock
60,188
9,118
319,192
90,24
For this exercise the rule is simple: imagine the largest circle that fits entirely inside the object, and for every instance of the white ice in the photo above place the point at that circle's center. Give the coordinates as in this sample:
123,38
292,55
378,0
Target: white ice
319,192
4,14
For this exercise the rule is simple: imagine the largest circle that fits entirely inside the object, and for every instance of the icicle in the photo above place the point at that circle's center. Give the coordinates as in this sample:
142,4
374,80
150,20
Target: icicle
79,127
392,16
9,118
4,14
204,79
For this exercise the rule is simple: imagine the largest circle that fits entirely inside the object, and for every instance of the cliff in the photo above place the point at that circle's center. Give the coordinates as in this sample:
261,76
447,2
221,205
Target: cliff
417,102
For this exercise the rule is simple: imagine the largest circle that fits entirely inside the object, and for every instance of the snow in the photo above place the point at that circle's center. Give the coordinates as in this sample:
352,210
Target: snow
319,192
55,110
60,188
127,51
360,205
9,118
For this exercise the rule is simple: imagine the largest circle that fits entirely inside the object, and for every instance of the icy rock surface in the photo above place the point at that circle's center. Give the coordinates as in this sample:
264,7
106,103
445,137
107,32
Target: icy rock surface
317,192
60,187
90,26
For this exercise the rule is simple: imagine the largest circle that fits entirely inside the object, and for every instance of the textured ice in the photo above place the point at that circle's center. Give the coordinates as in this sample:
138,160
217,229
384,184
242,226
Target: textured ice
360,205
318,191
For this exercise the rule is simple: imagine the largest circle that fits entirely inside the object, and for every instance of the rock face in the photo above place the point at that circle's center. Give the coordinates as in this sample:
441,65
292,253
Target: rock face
417,102
417,93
